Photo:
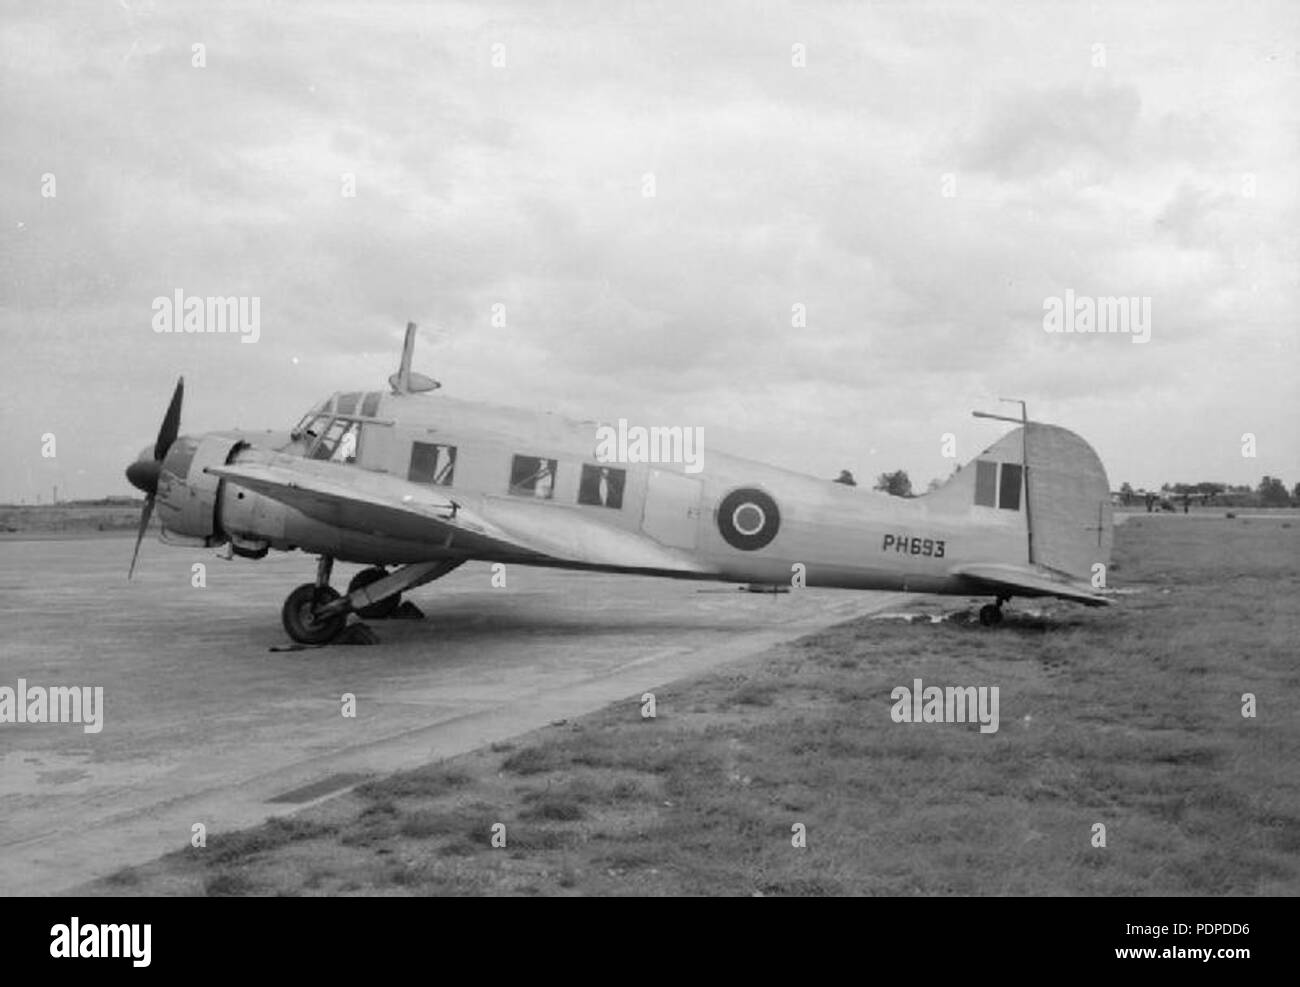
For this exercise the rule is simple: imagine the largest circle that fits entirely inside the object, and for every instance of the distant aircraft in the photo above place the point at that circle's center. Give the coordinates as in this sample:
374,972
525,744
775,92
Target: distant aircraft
419,483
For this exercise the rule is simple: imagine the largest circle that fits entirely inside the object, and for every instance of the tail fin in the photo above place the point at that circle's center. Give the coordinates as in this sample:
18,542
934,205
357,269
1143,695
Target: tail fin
1063,507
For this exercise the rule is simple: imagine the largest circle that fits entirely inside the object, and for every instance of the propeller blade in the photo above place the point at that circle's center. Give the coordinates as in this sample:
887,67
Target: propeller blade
171,424
139,537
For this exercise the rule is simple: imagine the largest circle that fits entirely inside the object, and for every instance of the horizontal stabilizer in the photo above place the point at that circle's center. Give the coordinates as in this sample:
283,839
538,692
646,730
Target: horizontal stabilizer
1014,580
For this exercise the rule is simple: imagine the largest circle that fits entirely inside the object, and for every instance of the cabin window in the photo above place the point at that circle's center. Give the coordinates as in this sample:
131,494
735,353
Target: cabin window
347,404
602,486
532,476
1009,494
986,483
370,406
433,463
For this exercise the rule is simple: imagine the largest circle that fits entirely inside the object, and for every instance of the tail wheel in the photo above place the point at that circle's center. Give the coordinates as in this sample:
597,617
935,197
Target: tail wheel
991,614
380,608
299,615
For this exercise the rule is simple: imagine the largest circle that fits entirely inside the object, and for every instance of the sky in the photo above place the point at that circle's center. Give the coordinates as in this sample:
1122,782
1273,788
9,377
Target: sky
823,232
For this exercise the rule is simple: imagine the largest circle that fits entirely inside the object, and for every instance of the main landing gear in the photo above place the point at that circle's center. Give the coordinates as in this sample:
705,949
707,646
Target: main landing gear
302,612
385,607
316,613
991,613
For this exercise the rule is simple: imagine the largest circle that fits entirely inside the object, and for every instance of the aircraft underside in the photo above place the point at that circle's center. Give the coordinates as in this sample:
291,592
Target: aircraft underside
316,613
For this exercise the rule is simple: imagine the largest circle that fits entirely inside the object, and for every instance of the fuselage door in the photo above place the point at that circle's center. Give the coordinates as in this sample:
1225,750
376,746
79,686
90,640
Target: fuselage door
672,509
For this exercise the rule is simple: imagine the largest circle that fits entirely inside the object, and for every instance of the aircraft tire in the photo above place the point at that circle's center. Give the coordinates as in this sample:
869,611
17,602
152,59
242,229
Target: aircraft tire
380,609
990,615
298,620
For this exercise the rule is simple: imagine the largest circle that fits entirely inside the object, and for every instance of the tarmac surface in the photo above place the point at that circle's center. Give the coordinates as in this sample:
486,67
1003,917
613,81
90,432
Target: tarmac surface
204,724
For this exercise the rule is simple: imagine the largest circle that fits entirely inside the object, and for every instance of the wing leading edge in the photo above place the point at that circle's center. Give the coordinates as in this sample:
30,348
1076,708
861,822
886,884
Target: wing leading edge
353,500
373,503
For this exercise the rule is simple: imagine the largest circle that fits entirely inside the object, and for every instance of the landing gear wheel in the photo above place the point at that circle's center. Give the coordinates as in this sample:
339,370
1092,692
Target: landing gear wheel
381,608
990,614
300,620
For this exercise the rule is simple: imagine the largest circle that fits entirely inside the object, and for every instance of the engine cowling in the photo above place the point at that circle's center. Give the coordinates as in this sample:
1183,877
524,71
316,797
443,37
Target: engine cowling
189,498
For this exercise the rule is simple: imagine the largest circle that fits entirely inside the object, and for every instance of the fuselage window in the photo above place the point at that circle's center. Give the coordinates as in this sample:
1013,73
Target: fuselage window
370,406
601,486
1009,495
986,483
432,463
531,476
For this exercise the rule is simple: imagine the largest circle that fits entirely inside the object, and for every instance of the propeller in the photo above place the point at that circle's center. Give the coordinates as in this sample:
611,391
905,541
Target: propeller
144,472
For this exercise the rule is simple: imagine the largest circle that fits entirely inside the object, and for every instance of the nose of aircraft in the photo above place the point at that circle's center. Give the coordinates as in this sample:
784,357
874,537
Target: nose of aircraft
143,473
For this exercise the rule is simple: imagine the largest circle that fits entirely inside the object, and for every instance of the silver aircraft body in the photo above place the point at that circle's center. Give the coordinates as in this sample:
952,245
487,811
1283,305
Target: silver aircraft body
414,483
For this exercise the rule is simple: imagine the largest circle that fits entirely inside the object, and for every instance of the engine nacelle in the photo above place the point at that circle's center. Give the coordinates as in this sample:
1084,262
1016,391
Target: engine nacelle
188,498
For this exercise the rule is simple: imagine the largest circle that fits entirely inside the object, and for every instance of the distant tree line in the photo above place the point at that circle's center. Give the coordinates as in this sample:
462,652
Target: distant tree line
896,484
1269,492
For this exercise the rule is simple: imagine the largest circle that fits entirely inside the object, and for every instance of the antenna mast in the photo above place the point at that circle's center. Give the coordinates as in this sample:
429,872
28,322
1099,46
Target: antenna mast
407,381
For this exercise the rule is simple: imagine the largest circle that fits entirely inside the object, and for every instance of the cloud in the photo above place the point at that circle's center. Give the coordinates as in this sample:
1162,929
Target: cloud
775,186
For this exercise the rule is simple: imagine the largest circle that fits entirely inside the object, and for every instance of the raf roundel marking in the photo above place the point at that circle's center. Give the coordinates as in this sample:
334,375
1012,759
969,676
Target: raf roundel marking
748,519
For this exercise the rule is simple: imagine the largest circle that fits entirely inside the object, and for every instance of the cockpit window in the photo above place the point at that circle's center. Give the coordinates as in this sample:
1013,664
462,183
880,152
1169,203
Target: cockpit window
338,443
331,429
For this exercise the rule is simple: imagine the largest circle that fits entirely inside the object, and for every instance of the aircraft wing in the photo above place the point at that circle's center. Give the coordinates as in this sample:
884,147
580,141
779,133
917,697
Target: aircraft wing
1022,581
349,497
356,502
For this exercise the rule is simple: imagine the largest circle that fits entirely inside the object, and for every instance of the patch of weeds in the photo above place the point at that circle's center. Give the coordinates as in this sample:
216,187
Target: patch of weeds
424,823
429,781
227,884
533,761
554,806
124,878
755,694
384,807
271,835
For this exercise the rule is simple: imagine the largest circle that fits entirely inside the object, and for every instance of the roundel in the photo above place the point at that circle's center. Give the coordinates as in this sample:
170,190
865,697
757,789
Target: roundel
748,519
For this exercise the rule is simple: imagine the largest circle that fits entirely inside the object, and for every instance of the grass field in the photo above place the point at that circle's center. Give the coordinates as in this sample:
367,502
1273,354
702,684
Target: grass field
1128,717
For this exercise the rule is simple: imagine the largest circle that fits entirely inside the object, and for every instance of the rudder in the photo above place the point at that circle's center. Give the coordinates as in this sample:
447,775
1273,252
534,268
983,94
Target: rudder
1069,502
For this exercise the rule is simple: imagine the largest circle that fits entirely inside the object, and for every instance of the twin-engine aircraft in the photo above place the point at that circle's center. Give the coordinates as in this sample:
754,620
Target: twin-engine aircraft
414,484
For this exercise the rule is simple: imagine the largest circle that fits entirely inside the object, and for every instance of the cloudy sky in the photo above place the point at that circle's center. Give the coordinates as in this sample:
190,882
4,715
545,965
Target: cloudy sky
654,192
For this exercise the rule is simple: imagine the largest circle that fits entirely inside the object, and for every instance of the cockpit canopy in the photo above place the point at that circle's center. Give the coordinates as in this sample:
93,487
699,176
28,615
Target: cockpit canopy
329,430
